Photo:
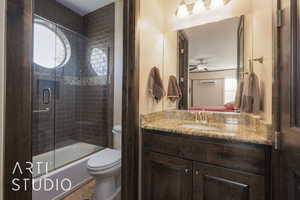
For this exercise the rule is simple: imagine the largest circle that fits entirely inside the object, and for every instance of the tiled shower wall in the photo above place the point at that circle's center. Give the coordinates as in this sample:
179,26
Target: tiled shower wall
80,100
96,99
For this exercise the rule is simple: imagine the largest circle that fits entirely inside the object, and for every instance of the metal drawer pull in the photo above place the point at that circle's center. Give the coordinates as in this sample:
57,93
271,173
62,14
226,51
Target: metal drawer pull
41,111
197,172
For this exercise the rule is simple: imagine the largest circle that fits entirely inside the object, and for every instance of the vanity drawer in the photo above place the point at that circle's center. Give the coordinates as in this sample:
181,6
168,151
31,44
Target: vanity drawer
240,156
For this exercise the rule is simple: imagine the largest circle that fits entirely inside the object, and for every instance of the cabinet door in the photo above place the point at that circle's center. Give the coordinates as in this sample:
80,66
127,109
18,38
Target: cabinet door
166,177
216,183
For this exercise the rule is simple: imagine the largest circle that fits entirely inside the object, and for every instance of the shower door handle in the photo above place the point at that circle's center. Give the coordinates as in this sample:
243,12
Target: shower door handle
41,111
46,96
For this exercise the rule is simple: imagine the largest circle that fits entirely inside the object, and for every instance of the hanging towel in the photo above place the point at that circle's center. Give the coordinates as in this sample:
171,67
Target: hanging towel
251,94
174,92
238,95
155,85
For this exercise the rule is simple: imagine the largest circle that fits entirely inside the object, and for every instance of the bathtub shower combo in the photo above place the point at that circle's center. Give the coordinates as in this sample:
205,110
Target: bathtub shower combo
71,118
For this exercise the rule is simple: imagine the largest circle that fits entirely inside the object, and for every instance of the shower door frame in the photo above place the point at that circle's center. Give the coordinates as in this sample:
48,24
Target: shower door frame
18,107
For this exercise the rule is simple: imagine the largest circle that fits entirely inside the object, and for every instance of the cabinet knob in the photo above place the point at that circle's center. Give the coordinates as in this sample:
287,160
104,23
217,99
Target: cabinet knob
187,171
197,172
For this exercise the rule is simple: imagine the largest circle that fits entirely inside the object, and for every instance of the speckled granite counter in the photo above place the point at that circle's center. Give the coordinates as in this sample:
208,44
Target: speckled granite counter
228,126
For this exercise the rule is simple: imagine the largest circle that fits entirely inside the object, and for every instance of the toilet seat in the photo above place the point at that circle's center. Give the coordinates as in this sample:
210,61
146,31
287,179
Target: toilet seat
104,160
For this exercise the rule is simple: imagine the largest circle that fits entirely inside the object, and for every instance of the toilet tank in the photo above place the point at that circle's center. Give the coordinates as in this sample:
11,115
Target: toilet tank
117,137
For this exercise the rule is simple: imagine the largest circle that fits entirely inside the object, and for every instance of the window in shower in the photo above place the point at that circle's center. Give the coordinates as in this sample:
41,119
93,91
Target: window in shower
69,92
98,61
51,46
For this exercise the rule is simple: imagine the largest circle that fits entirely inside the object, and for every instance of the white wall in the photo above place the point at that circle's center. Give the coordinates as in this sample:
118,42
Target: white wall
155,42
151,49
118,62
213,75
2,89
217,75
263,46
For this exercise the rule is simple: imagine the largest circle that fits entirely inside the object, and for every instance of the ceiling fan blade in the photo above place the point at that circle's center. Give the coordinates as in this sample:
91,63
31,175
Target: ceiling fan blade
192,68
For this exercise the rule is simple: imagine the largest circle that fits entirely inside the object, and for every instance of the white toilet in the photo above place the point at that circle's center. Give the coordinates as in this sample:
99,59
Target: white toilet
106,168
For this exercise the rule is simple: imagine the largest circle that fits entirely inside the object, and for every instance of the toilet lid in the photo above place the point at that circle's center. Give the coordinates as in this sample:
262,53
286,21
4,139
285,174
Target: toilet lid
105,159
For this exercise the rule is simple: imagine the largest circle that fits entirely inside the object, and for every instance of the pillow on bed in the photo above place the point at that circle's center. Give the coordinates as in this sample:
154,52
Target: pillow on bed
229,105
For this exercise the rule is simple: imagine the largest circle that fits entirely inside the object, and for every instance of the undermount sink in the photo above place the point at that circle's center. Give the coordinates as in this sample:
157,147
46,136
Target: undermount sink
200,127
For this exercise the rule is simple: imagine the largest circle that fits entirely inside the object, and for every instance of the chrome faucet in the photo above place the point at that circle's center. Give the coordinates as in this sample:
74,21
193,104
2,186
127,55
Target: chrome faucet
201,117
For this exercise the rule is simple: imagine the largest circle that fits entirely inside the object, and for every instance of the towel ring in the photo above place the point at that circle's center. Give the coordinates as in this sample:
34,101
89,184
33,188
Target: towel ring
259,59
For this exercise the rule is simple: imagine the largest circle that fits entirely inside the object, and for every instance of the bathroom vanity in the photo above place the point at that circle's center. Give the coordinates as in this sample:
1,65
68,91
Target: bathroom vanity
225,157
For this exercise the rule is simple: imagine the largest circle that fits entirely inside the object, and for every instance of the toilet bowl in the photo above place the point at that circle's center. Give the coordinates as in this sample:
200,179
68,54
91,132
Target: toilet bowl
106,168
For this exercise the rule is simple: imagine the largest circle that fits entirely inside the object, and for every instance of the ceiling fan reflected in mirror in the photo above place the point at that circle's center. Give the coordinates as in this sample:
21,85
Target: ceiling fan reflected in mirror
200,66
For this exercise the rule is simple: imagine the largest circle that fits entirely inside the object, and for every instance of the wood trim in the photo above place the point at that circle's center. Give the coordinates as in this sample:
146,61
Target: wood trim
130,114
183,69
241,40
17,138
276,71
275,158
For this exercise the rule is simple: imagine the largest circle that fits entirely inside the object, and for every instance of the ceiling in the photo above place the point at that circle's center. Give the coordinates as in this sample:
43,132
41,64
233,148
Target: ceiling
215,42
84,7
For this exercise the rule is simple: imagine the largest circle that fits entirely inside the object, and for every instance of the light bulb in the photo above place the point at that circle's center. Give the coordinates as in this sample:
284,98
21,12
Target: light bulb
182,10
216,4
198,7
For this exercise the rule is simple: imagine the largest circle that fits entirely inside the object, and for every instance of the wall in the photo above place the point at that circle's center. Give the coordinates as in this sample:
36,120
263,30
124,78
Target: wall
151,49
58,13
219,86
214,75
170,57
156,41
97,105
2,88
263,46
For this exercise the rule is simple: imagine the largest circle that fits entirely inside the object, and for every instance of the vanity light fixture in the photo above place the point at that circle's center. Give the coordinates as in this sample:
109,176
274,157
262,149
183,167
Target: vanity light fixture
182,10
199,7
216,4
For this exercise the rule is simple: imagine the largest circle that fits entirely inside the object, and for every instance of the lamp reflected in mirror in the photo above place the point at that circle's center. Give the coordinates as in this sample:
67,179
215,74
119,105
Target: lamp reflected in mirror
199,7
215,4
182,10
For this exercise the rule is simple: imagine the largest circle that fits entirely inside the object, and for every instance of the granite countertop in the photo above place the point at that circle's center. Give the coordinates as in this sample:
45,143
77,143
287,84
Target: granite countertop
229,131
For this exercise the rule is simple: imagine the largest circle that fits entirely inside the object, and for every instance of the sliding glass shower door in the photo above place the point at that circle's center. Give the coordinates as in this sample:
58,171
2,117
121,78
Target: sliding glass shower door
43,97
66,95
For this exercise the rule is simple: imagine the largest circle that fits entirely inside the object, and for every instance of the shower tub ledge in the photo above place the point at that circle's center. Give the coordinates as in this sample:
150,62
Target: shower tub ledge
76,172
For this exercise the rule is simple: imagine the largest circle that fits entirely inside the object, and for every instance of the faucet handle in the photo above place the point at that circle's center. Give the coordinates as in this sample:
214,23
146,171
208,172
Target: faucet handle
196,116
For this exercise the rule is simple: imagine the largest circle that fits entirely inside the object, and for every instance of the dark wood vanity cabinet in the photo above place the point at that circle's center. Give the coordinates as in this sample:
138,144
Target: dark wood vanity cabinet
167,178
175,169
216,183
